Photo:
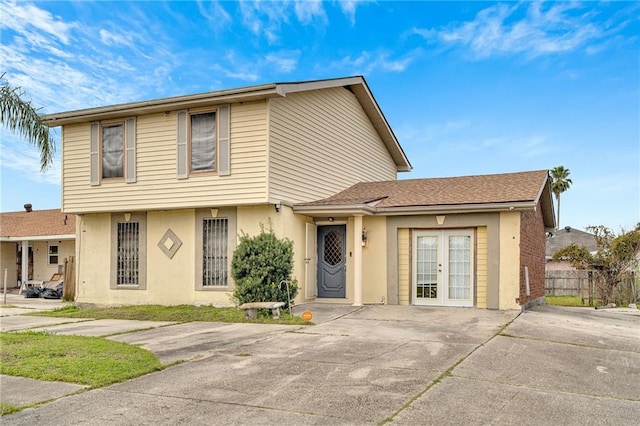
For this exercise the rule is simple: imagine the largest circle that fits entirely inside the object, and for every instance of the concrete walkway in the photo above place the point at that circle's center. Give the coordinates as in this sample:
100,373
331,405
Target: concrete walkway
362,365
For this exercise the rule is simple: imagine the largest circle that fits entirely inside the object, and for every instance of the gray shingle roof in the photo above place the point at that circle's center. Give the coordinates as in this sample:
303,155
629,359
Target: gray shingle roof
567,236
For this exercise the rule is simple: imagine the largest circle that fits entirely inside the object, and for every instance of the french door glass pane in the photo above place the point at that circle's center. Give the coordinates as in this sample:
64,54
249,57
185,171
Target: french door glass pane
427,267
460,267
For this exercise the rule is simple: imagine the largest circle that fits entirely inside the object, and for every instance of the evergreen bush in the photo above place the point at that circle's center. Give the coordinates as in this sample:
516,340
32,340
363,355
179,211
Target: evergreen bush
259,265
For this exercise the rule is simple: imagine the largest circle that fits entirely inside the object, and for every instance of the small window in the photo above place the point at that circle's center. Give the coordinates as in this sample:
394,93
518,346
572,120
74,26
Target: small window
214,252
203,142
128,253
113,150
53,255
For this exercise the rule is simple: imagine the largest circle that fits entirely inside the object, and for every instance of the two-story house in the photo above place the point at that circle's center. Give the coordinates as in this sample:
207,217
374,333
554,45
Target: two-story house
163,188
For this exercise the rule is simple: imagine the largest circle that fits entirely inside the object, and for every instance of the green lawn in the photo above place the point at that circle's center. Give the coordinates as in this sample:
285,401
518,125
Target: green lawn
180,313
91,361
95,361
569,301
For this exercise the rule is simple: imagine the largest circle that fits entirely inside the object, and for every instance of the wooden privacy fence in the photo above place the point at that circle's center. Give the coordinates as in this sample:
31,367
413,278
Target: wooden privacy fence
585,284
69,287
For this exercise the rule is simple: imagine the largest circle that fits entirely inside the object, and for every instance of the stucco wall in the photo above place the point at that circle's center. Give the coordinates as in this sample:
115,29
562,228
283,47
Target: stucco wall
488,255
8,258
285,224
42,270
509,283
374,261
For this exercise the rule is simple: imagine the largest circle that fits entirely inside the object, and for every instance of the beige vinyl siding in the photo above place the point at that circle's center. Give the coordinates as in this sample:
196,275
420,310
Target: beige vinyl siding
404,266
157,186
481,267
322,142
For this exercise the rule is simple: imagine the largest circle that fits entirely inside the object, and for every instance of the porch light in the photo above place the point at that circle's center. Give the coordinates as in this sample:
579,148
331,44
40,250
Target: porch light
365,240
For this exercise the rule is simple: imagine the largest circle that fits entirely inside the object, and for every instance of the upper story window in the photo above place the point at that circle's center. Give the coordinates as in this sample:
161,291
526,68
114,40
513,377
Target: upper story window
113,150
203,142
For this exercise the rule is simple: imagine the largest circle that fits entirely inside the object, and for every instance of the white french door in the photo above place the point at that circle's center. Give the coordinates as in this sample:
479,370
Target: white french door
443,267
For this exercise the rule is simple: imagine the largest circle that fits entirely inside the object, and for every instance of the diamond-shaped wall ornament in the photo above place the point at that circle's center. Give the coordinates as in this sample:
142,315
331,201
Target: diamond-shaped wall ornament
169,243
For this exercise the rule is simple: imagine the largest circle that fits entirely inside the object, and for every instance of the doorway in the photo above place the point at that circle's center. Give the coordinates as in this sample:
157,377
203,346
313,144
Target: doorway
332,261
443,268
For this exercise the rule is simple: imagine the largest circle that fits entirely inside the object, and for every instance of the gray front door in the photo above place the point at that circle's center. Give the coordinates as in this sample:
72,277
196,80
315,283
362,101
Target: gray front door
332,248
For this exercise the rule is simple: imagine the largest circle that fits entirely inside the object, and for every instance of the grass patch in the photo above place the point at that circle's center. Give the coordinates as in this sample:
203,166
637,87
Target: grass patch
8,409
569,301
179,313
90,361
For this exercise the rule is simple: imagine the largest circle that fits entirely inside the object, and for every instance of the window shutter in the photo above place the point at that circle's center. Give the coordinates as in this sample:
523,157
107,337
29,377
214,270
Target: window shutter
181,154
130,154
224,134
95,153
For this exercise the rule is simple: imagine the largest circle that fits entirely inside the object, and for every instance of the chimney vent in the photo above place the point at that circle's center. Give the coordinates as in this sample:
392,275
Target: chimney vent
28,208
567,228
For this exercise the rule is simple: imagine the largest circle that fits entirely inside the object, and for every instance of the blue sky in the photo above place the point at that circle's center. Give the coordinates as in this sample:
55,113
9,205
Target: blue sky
468,87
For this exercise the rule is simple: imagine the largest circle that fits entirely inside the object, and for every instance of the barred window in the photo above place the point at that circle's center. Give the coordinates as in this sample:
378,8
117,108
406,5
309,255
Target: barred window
214,252
128,253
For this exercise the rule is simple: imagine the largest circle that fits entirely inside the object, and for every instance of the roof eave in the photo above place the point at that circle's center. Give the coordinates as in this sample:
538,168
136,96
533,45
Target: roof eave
361,209
161,105
357,85
457,208
6,239
546,203
334,210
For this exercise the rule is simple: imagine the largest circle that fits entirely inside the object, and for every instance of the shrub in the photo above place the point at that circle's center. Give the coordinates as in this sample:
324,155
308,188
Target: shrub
259,265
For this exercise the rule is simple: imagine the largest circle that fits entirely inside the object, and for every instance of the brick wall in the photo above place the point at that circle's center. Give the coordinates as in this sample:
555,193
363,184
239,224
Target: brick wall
532,254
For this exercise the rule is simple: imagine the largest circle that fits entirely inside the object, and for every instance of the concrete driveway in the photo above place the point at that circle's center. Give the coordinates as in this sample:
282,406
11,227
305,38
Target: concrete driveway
405,365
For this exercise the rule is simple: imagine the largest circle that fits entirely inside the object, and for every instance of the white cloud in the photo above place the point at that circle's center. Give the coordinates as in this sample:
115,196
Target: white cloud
286,61
24,18
24,159
349,8
366,62
310,10
264,18
116,38
541,29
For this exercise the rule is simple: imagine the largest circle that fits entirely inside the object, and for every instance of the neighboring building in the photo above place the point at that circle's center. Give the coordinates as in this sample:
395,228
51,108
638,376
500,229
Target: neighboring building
34,243
163,188
564,237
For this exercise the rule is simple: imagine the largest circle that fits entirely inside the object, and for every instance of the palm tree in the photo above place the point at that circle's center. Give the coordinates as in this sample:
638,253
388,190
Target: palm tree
560,182
22,118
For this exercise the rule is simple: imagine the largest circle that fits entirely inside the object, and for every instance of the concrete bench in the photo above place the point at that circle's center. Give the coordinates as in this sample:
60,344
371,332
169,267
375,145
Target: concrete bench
251,309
